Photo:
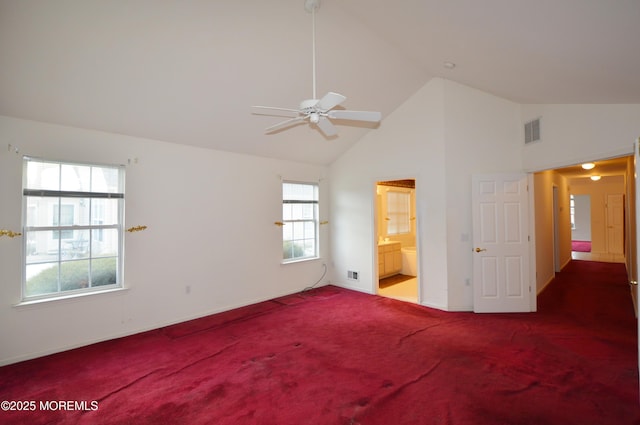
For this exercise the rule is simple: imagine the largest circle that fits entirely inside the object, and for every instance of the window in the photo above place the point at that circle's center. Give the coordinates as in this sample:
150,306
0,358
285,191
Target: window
300,219
73,235
398,212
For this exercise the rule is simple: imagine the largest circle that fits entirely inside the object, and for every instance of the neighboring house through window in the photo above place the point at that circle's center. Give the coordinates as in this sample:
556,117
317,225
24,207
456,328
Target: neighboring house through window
73,228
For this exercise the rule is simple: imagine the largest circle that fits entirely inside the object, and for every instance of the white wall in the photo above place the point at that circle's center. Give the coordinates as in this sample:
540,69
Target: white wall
409,143
210,218
441,136
572,134
546,263
544,236
482,135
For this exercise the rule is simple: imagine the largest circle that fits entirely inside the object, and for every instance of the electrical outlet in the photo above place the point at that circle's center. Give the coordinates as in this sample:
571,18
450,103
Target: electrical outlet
351,275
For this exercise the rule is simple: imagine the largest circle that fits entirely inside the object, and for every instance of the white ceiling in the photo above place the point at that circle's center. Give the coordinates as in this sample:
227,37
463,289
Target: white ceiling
603,168
188,71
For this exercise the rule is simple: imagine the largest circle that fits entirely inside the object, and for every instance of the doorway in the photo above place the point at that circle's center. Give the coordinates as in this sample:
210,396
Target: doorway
396,240
599,213
573,203
580,210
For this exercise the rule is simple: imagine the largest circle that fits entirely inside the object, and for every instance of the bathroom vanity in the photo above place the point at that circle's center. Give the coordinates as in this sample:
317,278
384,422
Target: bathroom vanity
389,259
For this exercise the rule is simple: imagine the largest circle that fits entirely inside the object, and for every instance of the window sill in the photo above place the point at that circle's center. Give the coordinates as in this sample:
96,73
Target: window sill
69,297
300,260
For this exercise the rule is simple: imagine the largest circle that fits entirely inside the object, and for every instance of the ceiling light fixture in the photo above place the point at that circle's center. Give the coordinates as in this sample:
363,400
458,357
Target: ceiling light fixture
588,165
595,178
449,65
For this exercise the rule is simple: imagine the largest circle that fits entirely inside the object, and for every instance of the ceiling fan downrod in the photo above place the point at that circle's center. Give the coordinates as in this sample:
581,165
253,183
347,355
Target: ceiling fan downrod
311,6
319,112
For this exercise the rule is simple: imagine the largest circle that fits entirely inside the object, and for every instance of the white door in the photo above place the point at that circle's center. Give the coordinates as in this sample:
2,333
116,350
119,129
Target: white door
500,205
615,224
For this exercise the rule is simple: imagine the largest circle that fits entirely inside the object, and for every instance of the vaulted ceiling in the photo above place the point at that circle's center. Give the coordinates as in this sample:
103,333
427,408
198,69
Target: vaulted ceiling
188,71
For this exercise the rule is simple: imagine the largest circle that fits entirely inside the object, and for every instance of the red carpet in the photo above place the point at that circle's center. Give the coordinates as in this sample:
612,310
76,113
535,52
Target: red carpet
581,246
333,356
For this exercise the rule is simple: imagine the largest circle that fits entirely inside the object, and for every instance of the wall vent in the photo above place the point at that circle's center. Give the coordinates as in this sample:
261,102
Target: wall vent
532,131
351,275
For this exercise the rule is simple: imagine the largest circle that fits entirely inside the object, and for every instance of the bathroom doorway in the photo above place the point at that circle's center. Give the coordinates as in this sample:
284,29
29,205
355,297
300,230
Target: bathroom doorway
396,240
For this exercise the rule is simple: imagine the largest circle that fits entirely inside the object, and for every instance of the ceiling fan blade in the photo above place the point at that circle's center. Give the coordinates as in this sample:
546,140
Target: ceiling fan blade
329,101
355,115
327,127
284,124
264,110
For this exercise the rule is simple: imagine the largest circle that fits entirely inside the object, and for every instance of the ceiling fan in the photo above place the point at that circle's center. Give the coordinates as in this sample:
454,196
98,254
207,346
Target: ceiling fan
318,112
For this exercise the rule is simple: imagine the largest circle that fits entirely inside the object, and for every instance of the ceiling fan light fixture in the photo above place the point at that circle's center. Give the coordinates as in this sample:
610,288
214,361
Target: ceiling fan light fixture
311,5
595,178
588,165
314,118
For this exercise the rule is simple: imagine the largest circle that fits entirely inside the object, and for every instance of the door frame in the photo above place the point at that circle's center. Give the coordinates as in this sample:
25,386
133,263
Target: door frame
556,229
376,220
636,162
533,275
